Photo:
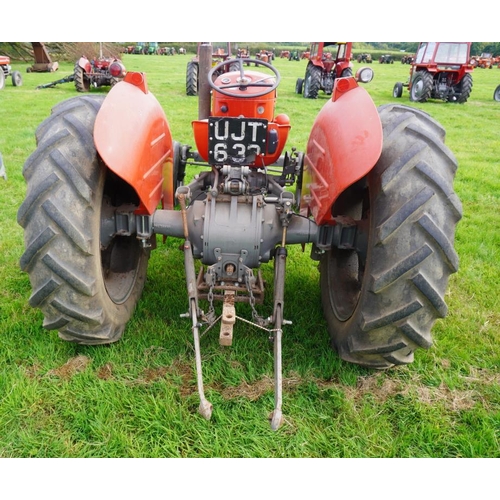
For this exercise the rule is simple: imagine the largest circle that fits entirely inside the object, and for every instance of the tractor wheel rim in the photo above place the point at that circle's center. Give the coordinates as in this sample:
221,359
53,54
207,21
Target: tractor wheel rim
418,88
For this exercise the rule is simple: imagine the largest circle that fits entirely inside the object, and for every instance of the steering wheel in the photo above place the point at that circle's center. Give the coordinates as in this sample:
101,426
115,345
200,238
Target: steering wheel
244,81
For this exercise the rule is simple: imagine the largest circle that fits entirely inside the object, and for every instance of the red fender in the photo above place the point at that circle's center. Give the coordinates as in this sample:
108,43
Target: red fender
84,63
133,138
344,145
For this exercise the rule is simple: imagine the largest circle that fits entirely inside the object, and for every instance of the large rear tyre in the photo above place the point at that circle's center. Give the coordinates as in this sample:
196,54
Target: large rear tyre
465,89
192,78
86,288
421,86
496,94
312,82
82,83
346,72
381,301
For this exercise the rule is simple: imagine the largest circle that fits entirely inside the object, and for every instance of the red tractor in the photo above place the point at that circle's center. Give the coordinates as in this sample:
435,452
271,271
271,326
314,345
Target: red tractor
327,61
407,59
381,229
219,54
6,71
97,72
485,60
265,55
441,70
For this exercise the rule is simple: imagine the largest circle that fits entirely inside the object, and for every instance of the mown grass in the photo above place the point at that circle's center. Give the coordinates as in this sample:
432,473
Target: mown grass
137,398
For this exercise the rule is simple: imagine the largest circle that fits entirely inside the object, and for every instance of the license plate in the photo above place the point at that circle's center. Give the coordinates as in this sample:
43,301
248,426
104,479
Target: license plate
236,141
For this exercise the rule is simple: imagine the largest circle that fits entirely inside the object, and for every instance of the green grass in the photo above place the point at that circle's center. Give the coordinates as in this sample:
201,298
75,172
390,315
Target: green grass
137,398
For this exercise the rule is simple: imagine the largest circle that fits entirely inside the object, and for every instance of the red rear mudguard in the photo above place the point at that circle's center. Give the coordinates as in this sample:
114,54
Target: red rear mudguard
344,145
133,138
84,63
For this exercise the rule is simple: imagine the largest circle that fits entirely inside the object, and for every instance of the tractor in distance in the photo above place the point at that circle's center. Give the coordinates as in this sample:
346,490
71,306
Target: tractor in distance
107,178
407,59
153,48
265,55
222,52
485,60
327,61
98,72
6,71
364,58
386,59
441,70
140,48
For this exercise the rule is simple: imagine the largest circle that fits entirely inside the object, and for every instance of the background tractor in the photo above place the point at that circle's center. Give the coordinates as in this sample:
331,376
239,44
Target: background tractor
485,60
327,61
364,58
386,59
97,72
441,70
6,71
221,53
107,178
265,55
140,48
153,48
407,59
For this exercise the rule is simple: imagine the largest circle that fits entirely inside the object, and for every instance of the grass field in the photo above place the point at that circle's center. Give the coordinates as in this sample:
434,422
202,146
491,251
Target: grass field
137,398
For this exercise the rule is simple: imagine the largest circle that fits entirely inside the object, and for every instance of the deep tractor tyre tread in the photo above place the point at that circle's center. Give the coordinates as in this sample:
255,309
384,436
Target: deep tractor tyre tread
61,217
421,89
312,82
192,79
82,84
413,212
465,89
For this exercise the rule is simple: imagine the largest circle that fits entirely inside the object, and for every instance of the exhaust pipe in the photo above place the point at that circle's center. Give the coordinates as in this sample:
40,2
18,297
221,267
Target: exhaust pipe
205,65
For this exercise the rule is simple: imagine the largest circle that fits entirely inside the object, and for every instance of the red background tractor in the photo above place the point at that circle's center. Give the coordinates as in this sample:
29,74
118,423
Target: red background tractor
441,70
221,53
97,72
327,61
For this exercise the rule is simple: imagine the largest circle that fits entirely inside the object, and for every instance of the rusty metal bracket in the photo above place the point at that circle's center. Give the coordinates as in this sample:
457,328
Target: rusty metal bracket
228,319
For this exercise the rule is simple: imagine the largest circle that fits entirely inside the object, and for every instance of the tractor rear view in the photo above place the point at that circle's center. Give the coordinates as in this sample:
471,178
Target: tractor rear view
97,72
441,70
327,62
220,54
106,178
